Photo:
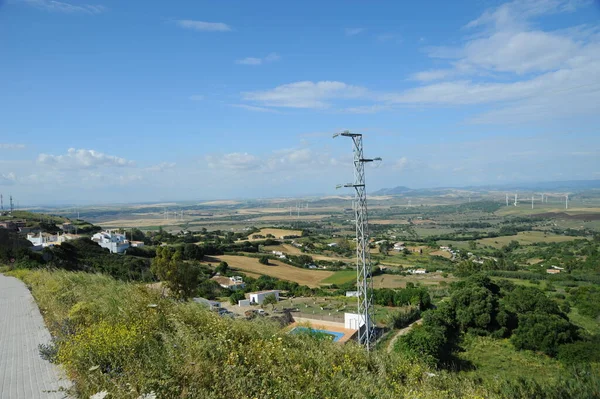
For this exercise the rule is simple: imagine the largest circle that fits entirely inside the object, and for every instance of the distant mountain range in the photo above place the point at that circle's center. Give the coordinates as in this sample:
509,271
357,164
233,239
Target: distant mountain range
570,185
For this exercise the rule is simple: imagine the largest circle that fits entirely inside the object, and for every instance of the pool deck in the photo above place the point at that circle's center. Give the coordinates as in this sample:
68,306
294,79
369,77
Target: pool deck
324,325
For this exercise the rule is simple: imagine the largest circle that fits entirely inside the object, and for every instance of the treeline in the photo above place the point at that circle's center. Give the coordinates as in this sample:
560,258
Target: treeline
83,255
411,295
479,306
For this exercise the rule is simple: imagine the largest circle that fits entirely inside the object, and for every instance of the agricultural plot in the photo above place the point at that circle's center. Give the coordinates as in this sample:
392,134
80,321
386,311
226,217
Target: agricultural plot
525,238
277,233
396,281
311,278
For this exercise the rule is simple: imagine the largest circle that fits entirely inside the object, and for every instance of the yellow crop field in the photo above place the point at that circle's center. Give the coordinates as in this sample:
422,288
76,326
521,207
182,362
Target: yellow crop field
311,278
278,233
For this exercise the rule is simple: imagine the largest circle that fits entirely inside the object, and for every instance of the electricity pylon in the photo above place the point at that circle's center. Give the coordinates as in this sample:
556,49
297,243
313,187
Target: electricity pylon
364,281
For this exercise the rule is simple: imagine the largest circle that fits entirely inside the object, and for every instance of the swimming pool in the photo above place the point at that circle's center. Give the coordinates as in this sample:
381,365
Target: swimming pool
335,336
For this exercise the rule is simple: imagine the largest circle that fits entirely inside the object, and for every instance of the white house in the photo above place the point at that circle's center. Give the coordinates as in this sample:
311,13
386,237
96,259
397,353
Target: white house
352,294
333,244
48,240
115,242
231,283
259,297
212,305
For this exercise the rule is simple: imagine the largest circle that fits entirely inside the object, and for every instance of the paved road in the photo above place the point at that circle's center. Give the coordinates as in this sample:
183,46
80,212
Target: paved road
23,373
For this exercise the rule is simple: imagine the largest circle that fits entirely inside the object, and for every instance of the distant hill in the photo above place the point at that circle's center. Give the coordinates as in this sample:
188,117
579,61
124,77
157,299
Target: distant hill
569,185
392,191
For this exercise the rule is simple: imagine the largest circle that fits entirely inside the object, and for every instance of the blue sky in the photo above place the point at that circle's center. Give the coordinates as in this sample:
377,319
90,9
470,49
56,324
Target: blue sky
114,101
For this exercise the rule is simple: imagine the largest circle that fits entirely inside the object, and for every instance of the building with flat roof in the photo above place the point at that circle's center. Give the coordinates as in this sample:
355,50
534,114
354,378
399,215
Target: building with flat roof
115,242
259,297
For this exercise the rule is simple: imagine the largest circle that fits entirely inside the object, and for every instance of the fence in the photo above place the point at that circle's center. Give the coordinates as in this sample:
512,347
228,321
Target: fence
337,318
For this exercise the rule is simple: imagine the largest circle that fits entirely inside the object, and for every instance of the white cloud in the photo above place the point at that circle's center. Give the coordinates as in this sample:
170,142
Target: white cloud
83,159
237,161
255,108
272,57
59,6
7,179
353,31
11,146
161,167
197,97
203,26
305,94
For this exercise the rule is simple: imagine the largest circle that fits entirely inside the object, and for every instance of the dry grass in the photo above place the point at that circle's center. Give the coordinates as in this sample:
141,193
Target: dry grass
289,218
444,254
525,238
388,221
285,248
278,233
277,269
140,222
393,281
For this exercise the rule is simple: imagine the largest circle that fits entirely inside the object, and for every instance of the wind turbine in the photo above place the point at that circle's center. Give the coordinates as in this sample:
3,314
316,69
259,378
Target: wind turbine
506,199
532,202
567,201
516,200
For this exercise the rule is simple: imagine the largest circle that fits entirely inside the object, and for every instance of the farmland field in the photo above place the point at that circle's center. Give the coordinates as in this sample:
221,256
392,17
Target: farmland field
525,238
277,233
340,277
396,281
311,278
285,248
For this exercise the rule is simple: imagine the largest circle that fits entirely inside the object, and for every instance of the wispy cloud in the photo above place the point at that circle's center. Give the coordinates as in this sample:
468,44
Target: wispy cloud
353,31
255,108
305,94
59,6
7,179
196,97
203,26
272,57
83,159
11,146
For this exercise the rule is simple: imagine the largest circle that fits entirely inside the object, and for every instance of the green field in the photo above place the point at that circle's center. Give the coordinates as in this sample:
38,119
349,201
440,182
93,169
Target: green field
497,358
588,324
340,277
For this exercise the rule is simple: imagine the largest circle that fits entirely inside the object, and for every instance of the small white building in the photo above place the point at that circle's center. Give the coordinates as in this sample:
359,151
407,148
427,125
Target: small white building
354,321
48,240
333,244
231,283
259,297
136,244
417,271
352,294
115,242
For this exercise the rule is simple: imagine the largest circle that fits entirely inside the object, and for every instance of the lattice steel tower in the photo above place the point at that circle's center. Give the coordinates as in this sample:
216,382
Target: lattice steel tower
364,282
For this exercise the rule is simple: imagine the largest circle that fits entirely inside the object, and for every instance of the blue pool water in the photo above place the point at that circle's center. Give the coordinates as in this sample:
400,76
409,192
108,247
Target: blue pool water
336,336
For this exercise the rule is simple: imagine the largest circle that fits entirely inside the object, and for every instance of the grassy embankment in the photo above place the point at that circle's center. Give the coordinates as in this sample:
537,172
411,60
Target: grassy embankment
125,339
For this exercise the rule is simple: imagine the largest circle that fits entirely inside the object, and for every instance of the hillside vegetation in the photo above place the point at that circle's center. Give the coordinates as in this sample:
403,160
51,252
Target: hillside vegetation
127,340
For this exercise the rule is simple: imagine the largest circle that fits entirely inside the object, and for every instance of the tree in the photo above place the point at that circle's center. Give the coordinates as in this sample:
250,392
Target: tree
222,268
270,300
543,332
180,277
472,245
264,260
236,296
384,248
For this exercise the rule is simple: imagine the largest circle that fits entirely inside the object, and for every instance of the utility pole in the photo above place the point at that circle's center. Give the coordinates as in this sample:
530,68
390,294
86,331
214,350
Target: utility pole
12,208
364,281
1,203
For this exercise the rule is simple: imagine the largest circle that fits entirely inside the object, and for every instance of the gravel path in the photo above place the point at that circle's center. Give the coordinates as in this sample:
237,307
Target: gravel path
400,333
23,373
